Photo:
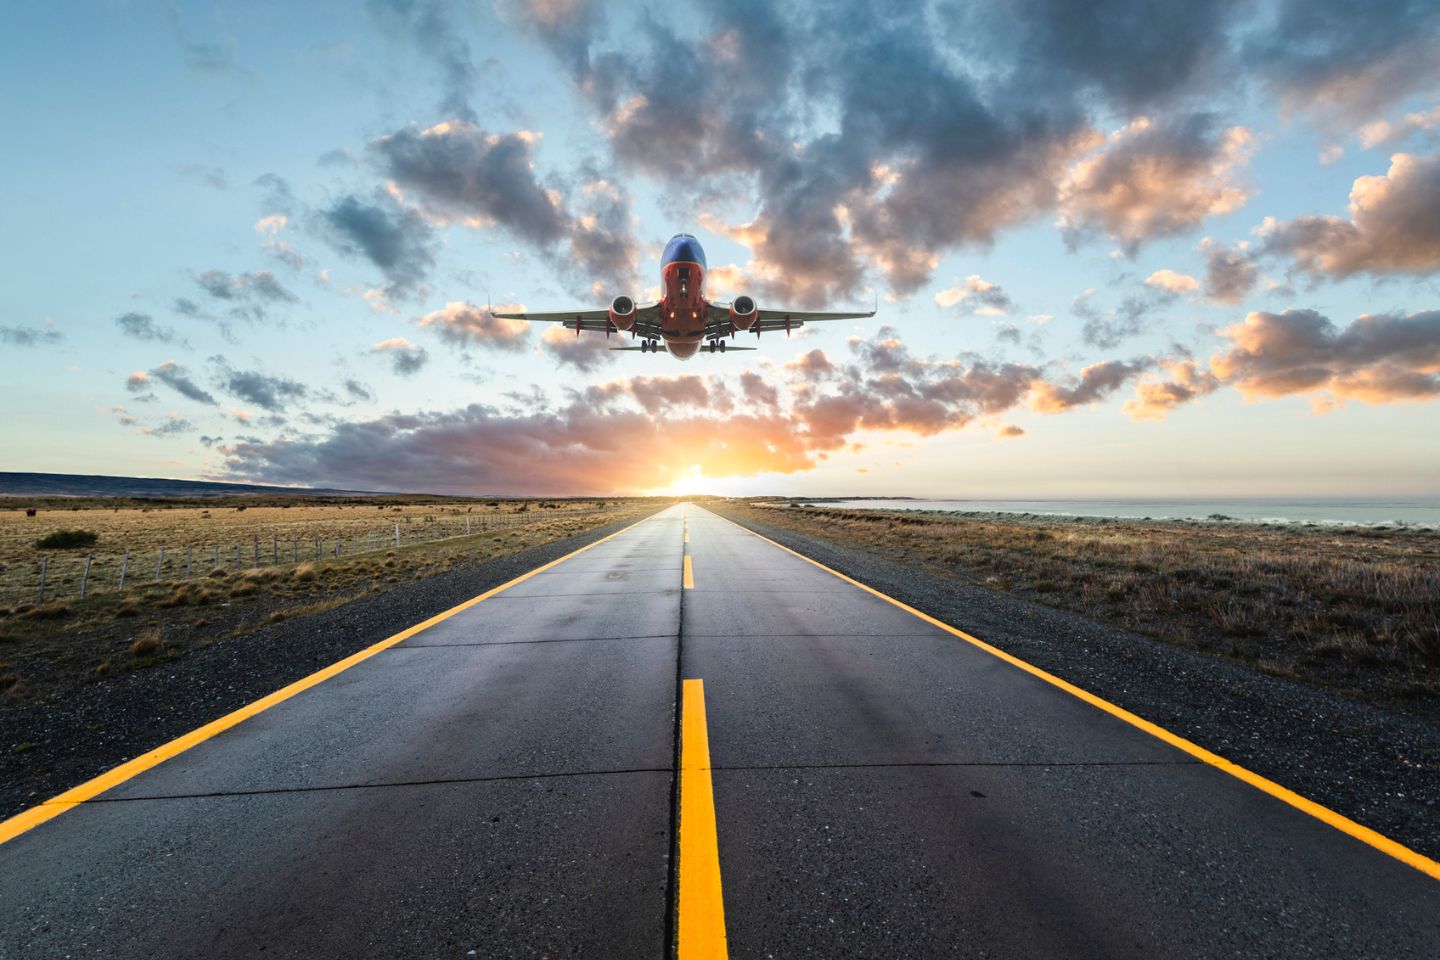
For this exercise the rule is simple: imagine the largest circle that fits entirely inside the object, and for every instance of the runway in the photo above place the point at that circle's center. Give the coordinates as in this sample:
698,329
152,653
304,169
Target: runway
507,782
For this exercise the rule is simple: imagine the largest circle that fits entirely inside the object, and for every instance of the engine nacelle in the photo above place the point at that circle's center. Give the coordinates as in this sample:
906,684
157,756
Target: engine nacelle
622,312
743,312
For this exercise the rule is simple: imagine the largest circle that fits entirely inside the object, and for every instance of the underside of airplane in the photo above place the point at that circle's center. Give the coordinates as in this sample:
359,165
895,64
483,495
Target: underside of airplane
683,321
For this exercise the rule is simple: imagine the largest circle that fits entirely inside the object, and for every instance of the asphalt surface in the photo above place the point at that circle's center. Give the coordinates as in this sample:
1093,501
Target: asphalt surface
502,784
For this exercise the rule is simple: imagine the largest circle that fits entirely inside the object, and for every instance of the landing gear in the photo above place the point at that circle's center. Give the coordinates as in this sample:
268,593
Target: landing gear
714,345
645,346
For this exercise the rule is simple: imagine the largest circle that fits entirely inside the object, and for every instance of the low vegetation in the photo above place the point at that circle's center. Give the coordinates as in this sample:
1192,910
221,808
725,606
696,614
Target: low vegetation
68,540
66,640
1356,609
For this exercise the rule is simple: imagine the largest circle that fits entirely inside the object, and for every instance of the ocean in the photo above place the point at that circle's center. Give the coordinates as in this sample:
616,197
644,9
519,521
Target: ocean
1423,512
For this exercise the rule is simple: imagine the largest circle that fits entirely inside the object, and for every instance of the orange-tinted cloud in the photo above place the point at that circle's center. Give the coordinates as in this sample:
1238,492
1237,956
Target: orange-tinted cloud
1394,226
1156,398
464,323
1155,179
1379,358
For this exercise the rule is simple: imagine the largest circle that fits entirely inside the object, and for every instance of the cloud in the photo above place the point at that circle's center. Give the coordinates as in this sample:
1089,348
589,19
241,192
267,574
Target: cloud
464,324
428,25
269,228
358,391
1346,62
249,295
462,173
1096,382
208,441
1107,329
1172,282
1230,273
18,336
976,296
394,238
1155,178
1394,226
1155,397
141,326
174,424
263,390
1387,132
644,432
173,376
586,353
212,177
1379,358
1010,431
201,56
405,357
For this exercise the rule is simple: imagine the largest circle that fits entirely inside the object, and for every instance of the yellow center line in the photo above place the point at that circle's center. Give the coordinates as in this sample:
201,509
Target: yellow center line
1305,805
74,797
689,574
700,916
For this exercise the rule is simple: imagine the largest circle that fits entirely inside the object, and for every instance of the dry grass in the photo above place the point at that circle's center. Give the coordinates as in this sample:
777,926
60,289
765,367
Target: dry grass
67,640
1356,608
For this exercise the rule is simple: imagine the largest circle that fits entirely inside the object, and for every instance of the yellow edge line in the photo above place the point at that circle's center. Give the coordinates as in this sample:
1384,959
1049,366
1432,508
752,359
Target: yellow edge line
700,918
21,822
1324,814
689,573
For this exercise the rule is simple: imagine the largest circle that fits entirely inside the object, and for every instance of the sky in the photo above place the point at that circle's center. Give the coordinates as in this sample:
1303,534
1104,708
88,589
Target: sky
1118,249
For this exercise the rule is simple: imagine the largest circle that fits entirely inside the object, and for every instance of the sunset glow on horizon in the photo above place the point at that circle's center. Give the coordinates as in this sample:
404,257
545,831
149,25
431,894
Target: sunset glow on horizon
1198,262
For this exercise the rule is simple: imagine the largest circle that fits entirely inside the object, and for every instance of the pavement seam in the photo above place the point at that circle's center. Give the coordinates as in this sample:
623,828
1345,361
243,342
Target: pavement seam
670,947
332,787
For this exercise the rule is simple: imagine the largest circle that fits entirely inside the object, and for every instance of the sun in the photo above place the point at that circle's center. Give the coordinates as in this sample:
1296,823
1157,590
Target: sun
686,483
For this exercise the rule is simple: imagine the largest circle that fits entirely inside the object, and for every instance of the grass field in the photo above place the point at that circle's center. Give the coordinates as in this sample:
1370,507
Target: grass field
287,566
1356,609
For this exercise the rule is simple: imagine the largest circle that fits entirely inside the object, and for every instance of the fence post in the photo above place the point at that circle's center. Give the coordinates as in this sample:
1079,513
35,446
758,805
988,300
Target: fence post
237,553
44,562
256,538
85,576
397,535
189,561
467,526
274,549
294,550
317,545
160,563
124,564
215,556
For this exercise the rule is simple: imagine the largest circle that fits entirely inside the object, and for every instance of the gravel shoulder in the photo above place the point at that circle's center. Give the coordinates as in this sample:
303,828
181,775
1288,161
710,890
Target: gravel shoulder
1376,766
52,744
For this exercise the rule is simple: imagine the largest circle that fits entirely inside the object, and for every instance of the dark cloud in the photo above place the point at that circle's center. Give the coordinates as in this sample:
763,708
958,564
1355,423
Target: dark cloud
392,237
1096,382
265,391
586,353
1230,273
18,336
459,172
1393,227
428,24
1134,55
277,195
208,441
260,285
175,424
1347,60
187,307
1107,329
1379,358
405,357
202,56
173,376
142,326
358,391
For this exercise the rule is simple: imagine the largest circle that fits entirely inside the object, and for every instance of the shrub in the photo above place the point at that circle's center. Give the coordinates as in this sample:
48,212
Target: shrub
147,642
68,540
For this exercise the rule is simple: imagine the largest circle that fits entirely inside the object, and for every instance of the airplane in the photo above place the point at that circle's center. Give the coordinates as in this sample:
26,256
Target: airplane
682,318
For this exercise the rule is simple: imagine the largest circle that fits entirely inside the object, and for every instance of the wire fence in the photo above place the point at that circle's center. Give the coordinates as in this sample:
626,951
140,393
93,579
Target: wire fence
76,575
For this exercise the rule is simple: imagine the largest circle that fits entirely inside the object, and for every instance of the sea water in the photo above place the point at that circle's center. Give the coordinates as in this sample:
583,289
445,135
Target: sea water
1349,512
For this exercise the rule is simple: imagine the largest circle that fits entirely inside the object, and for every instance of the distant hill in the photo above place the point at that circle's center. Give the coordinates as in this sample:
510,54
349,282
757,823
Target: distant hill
77,485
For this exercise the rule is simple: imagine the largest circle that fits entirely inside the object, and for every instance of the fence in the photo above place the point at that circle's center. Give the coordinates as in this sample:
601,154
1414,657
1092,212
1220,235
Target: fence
73,575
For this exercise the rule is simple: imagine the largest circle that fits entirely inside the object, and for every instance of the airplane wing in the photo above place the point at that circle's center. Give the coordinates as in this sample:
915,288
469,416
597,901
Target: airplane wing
717,319
647,319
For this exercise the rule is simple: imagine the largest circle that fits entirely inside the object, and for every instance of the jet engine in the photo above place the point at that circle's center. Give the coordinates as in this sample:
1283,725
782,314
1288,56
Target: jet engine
622,312
743,312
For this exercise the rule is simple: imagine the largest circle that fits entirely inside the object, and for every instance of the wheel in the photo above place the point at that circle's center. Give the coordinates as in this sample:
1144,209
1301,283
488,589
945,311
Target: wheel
722,346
